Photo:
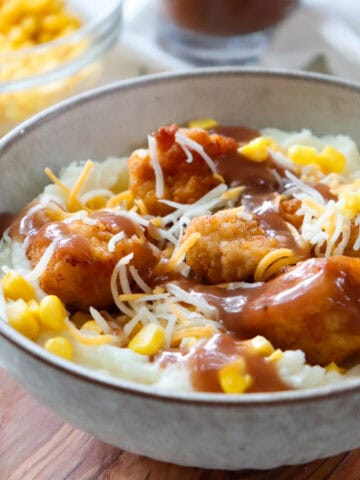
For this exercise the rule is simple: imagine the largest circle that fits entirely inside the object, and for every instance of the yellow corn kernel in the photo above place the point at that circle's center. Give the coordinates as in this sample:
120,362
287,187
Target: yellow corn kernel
60,346
149,340
275,356
204,123
331,160
80,318
30,24
92,326
350,203
96,203
303,155
52,313
23,319
53,23
332,367
257,149
15,287
33,306
262,346
234,378
17,36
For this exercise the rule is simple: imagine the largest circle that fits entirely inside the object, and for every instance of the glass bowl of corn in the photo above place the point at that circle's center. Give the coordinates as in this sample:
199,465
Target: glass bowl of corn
49,50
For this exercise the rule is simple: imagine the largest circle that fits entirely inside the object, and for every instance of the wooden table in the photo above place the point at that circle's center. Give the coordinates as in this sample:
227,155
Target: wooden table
36,445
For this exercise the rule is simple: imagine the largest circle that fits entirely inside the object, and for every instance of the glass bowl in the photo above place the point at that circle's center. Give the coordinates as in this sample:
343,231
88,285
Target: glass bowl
34,78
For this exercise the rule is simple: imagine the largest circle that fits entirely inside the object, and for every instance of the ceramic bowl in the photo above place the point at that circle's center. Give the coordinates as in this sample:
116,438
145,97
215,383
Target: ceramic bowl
203,430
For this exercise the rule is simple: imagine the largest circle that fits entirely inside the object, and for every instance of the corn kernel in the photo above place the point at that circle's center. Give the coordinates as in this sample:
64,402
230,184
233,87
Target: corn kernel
262,346
234,378
350,203
257,149
92,326
15,287
80,318
30,24
149,340
33,306
96,203
60,346
331,160
52,313
303,155
22,319
332,367
17,36
53,23
275,356
204,123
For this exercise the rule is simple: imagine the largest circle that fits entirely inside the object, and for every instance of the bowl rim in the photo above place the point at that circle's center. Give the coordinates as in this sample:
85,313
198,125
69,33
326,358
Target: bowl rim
131,388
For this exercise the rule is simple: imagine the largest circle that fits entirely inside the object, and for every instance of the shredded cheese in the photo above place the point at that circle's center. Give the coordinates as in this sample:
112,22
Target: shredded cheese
56,181
154,160
269,259
73,201
180,254
114,240
186,144
42,264
89,339
100,320
197,332
125,196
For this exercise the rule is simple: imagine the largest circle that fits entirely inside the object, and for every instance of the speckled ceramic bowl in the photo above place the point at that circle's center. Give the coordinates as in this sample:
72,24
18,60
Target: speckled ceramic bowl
204,430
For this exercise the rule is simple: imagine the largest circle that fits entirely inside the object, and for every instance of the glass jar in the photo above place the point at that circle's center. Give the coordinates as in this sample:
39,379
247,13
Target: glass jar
34,78
219,31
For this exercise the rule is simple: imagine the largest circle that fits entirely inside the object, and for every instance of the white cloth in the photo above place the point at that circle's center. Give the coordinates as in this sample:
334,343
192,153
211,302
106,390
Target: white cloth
325,30
320,28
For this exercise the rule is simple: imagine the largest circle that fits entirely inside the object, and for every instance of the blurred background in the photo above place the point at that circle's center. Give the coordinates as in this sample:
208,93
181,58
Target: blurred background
53,49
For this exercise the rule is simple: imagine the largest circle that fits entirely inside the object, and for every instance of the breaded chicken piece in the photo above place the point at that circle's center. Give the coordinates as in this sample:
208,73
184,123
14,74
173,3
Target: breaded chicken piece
80,268
229,249
184,182
288,209
314,307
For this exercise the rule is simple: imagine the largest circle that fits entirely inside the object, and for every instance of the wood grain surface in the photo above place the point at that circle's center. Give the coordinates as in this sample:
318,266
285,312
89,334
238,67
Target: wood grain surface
36,445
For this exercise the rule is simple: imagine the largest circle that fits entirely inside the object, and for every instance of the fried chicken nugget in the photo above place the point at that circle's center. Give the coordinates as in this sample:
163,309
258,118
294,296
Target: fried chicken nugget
184,182
229,249
314,307
80,268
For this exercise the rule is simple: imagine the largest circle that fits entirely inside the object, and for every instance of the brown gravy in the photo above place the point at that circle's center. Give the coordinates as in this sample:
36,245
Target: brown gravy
6,220
78,245
240,134
332,284
206,360
226,17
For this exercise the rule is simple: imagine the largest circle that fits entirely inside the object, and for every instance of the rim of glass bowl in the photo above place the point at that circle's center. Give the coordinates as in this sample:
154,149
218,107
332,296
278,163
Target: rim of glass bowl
103,31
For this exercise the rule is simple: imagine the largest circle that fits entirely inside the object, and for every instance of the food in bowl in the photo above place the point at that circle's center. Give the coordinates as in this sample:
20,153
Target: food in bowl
217,259
38,38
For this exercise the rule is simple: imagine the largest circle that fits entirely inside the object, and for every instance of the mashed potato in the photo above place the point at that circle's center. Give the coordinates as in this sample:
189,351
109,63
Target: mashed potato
203,263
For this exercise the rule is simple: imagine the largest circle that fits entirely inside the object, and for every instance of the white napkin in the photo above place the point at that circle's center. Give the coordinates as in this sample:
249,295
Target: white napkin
322,35
325,29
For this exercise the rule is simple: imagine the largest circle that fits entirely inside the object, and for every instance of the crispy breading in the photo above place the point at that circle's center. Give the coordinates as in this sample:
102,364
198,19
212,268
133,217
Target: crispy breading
184,182
314,307
229,249
288,209
80,268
